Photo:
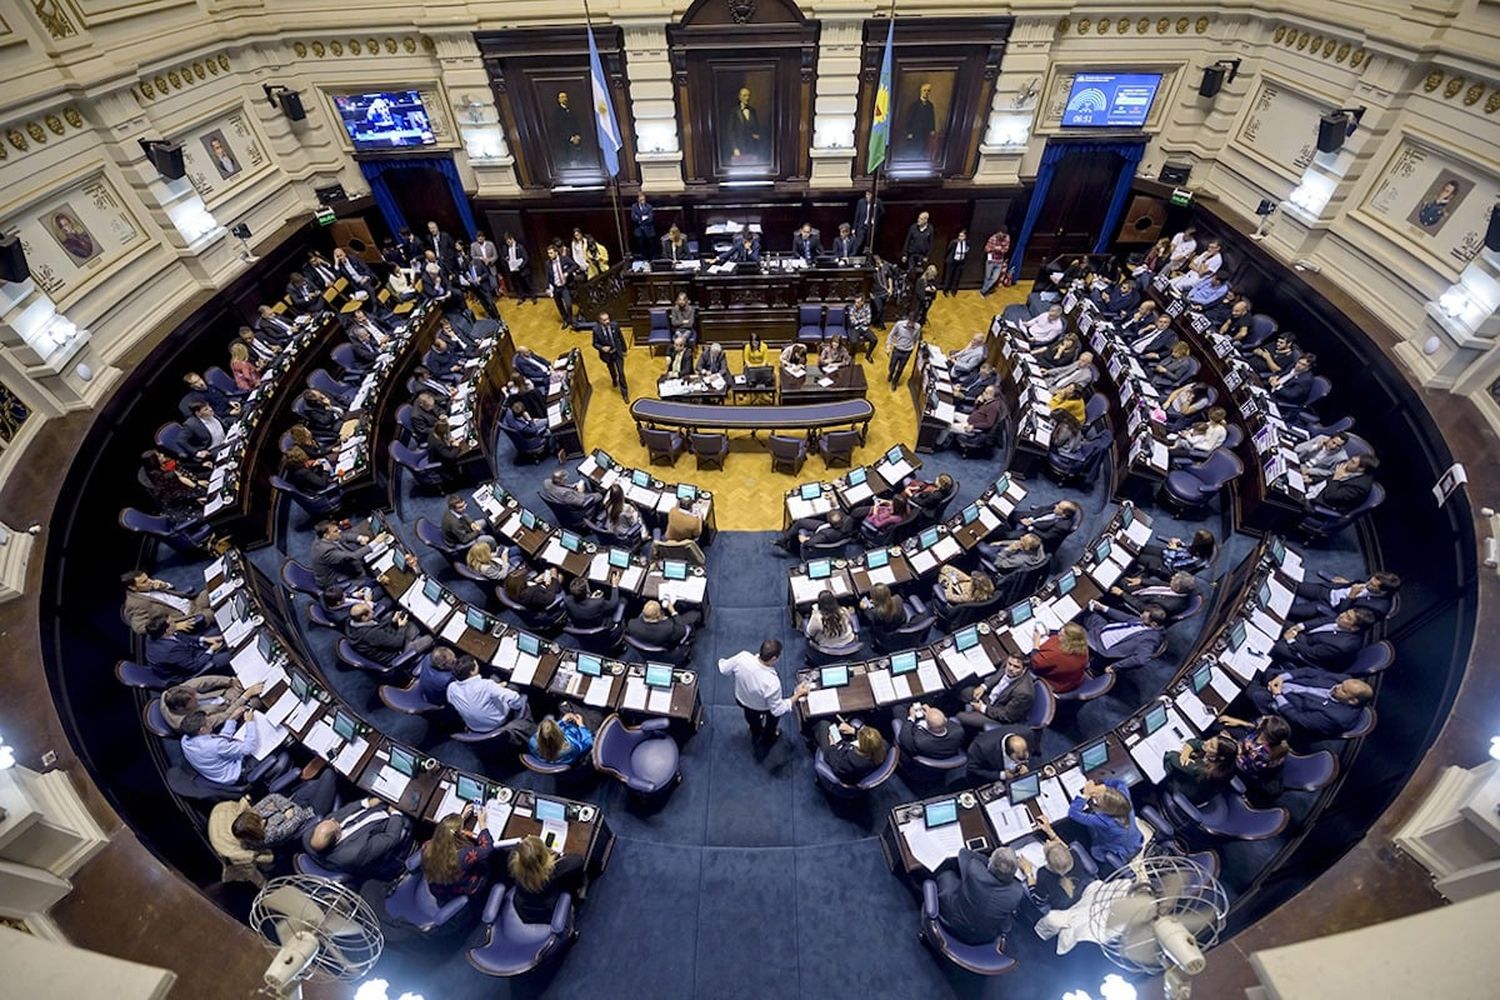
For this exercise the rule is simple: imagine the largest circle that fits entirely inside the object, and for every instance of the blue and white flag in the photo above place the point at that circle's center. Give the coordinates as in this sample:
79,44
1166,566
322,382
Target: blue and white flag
604,111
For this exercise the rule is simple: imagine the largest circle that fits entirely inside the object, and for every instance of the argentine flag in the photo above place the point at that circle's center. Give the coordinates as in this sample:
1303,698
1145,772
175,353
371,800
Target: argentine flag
604,111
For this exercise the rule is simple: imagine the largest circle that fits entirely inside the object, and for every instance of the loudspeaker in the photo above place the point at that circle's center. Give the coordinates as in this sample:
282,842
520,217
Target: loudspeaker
1175,173
1213,81
13,260
291,106
1492,234
166,157
330,194
1332,130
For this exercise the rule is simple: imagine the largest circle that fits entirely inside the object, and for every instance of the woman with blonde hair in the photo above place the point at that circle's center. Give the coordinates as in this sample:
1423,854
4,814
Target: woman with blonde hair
246,375
1104,809
456,861
1062,890
851,752
303,438
481,558
1061,659
565,740
541,877
1069,400
957,587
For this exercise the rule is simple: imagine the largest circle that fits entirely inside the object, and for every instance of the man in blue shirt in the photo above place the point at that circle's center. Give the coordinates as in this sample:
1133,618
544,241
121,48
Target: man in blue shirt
1206,293
219,757
482,703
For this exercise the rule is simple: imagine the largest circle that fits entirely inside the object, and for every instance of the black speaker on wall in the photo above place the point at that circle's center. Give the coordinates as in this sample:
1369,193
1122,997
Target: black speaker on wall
1492,233
291,106
166,157
1213,81
13,260
1174,173
1332,129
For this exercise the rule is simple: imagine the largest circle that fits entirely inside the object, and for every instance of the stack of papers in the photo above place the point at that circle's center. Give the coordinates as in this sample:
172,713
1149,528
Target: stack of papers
1054,800
636,694
690,590
347,759
660,701
971,661
931,847
496,815
823,701
390,783
881,687
1010,822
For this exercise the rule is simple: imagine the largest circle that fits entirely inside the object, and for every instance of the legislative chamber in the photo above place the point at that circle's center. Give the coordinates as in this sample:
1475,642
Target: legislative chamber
741,499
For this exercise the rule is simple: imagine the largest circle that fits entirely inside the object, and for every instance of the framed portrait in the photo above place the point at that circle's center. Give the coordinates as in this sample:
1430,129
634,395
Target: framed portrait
745,120
1440,202
63,224
569,133
220,156
922,105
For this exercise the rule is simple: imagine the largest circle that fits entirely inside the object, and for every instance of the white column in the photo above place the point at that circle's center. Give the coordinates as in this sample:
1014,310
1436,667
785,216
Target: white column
15,554
653,105
836,104
46,834
1018,94
487,165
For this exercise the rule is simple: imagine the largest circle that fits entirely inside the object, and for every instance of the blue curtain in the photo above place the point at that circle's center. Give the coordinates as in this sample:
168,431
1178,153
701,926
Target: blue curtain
1053,155
1131,154
375,171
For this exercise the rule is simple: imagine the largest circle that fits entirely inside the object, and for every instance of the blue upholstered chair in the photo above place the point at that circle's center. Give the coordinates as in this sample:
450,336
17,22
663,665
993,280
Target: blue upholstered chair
1323,521
981,959
836,323
408,700
424,469
662,447
306,864
351,657
1093,686
787,453
644,759
1197,485
299,579
660,334
1226,815
931,768
1363,727
432,536
837,448
709,449
138,675
810,324
313,504
830,783
180,535
513,947
410,902
1373,659
603,638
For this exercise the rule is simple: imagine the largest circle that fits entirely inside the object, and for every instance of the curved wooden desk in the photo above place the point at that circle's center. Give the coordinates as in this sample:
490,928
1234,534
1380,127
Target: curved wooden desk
692,416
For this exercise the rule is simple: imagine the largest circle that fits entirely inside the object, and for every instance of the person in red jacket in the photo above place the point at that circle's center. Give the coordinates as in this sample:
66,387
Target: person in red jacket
1061,659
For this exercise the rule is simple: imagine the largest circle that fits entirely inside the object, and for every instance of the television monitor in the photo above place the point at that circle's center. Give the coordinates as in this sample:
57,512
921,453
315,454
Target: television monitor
300,687
1066,583
590,664
1237,634
1278,550
385,120
971,513
941,813
1020,612
432,590
658,675
811,491
903,663
266,646
895,455
546,810
528,644
602,459
1110,100
1203,676
1024,789
403,761
674,569
687,491
1156,717
1102,550
528,519
856,477
876,558
640,478
819,569
571,541
476,619
1002,484
834,677
1094,757
343,724
468,789
966,639
929,538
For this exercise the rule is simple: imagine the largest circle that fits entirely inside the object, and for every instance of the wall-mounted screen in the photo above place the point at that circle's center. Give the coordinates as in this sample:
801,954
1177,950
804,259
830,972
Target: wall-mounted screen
386,120
1110,100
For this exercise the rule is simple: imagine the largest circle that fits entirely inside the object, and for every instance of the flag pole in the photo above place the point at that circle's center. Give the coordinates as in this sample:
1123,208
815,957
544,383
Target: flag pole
613,182
890,113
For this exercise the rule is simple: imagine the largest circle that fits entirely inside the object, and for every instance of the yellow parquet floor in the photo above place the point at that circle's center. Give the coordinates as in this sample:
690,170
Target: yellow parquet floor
747,495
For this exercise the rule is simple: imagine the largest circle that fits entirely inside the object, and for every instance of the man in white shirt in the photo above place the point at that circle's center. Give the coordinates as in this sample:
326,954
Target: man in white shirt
1206,263
1184,245
483,704
1044,329
219,757
757,689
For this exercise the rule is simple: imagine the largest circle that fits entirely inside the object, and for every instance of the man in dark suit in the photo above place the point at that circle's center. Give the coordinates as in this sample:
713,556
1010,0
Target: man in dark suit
998,755
561,270
383,640
1173,597
1291,390
920,126
442,244
1326,643
1350,484
338,556
1123,639
807,243
978,900
845,244
1052,523
320,271
1004,696
589,608
531,434
306,297
199,391
202,432
866,213
918,245
1318,598
365,839
662,624
835,526
954,259
746,251
273,328
643,227
1120,301
928,733
1317,704
1156,341
353,270
609,342
459,530
479,278
174,654
433,285
516,260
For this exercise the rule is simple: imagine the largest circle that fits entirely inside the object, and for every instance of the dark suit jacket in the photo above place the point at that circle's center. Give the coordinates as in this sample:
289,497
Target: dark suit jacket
978,908
1158,345
807,247
1294,391
668,632
918,242
1304,712
950,254
1346,494
611,337
176,654
270,329
917,740
442,244
365,352
846,246
987,753
380,641
570,270
195,434
1050,528
422,421
457,529
591,612
371,848
642,220
333,561
1132,651
522,254
1154,593
859,216
1332,650
847,764
1015,704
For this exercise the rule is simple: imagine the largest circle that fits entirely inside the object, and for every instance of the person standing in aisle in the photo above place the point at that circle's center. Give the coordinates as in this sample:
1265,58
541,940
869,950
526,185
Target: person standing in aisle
757,690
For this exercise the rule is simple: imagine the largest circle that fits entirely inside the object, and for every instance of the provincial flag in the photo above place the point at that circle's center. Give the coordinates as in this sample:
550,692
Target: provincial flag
604,111
880,124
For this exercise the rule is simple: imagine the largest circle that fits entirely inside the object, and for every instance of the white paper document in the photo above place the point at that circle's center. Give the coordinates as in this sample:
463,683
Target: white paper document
635,694
931,847
347,759
927,673
881,687
1010,822
598,693
823,701
1054,799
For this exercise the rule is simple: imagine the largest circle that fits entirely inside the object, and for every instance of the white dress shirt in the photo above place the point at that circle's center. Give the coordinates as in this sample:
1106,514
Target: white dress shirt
756,685
1043,329
484,704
